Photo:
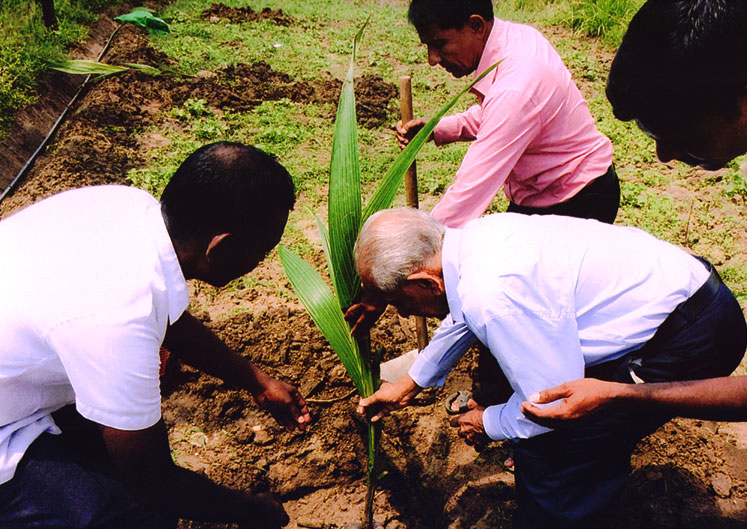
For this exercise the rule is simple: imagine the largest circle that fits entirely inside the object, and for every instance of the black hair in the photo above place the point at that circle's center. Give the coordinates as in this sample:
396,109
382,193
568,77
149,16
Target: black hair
447,14
679,60
226,187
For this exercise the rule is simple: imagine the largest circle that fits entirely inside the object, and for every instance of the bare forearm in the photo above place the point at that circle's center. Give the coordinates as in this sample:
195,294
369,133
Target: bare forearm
722,398
197,346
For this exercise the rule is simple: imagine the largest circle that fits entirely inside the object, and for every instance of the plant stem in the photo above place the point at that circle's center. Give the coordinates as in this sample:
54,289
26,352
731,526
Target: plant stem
372,382
374,435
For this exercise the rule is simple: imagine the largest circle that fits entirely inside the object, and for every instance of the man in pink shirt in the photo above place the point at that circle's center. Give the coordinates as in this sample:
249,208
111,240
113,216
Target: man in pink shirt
531,131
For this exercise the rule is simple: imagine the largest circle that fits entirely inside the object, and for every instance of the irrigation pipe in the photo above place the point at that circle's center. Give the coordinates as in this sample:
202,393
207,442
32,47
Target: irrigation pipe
30,162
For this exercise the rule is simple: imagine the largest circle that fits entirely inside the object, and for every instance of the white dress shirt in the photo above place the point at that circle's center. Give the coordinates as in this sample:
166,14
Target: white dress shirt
89,281
550,295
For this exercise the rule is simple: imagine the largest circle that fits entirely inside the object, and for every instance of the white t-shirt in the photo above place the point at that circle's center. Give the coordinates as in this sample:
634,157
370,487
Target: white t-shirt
89,281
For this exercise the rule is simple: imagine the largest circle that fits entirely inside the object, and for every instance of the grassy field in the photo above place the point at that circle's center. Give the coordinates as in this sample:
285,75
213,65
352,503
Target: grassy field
685,206
26,46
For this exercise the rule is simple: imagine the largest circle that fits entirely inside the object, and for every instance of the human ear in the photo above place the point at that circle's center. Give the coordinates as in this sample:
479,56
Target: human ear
476,23
427,280
216,244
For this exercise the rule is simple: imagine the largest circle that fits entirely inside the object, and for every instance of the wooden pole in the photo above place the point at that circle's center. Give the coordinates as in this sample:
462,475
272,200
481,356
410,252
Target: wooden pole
411,185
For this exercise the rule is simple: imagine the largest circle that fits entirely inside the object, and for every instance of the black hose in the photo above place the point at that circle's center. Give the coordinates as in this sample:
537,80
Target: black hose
30,162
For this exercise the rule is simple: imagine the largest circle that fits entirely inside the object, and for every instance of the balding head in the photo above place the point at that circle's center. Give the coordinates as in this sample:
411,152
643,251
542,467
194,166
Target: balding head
393,244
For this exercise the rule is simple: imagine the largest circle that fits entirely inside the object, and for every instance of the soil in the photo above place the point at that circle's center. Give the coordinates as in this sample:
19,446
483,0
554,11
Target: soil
218,12
689,474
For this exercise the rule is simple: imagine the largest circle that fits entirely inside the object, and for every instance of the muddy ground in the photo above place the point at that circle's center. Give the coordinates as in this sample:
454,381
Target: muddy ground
688,474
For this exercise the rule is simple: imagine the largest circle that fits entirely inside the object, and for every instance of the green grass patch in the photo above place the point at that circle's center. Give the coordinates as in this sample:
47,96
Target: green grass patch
26,45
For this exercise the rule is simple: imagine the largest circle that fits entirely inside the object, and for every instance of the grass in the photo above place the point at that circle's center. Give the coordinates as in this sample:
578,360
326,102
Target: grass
26,44
665,200
685,206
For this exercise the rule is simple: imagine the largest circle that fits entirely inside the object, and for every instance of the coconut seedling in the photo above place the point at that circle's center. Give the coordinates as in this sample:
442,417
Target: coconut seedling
346,215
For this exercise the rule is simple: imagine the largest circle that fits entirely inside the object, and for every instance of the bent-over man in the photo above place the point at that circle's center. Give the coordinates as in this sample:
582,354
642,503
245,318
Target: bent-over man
92,282
681,74
552,298
531,131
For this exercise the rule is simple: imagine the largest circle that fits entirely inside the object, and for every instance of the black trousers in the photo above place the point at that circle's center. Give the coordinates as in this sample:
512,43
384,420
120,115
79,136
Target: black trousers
68,482
599,200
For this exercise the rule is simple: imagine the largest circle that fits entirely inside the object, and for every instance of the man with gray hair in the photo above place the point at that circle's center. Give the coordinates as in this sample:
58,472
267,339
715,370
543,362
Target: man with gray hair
553,298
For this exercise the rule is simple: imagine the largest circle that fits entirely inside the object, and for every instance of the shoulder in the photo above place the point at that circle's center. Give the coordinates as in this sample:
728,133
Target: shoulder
529,63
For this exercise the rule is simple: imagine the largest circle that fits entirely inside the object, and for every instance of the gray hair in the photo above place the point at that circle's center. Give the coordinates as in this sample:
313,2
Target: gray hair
393,244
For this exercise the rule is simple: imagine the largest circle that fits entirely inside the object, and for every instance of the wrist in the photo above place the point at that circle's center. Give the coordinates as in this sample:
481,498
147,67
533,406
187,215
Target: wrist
408,387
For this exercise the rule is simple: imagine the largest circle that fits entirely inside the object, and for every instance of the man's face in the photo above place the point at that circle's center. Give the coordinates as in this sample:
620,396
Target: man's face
458,51
419,298
710,142
239,255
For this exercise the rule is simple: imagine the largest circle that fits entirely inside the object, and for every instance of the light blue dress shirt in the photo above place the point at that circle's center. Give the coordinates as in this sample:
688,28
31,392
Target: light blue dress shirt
549,295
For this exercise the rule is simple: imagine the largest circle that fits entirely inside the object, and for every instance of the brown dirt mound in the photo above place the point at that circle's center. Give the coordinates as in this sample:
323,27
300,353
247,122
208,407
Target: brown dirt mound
218,12
96,146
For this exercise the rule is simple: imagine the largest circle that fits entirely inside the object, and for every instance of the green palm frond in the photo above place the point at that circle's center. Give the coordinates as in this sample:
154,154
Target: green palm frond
345,189
85,67
324,309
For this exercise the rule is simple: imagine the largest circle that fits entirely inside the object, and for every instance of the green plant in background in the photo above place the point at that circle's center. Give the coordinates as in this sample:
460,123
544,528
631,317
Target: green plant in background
100,69
606,19
144,18
345,217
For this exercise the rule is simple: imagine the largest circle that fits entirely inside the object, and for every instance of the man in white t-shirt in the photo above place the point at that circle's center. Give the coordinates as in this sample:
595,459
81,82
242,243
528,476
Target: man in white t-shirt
93,281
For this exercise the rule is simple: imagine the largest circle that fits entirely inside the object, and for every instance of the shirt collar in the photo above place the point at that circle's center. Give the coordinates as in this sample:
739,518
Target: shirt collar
490,55
450,266
176,285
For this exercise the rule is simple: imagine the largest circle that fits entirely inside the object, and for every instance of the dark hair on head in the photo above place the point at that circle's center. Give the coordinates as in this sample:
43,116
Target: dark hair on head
447,14
679,60
226,187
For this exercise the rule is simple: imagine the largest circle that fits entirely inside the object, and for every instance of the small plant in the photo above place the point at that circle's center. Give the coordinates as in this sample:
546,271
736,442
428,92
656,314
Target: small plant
86,67
606,19
346,216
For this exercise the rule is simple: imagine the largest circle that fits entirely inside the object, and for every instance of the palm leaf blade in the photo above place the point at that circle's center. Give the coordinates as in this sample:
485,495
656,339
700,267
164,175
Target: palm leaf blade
85,67
345,190
324,309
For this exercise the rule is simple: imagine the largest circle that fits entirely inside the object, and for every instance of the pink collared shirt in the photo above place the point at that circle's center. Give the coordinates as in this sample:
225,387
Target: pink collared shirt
531,132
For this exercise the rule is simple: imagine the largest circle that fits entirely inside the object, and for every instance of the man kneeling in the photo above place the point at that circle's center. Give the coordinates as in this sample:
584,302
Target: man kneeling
553,298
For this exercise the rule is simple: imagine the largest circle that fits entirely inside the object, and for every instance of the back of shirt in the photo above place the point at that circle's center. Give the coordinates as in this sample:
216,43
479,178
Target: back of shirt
85,309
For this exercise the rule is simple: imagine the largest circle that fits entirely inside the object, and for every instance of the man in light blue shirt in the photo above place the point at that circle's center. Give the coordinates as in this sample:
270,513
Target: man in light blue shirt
552,298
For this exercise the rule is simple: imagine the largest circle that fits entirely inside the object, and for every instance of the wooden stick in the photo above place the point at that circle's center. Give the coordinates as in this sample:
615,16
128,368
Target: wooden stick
411,185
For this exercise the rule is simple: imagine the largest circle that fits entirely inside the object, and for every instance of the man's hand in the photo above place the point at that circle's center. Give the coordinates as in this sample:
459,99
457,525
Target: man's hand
364,313
471,427
266,513
581,400
407,131
283,402
389,397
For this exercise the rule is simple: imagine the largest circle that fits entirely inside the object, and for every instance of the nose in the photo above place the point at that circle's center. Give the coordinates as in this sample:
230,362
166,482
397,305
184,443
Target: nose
433,56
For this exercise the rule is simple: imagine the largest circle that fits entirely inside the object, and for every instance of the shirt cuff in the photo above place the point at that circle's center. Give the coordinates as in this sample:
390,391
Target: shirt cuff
491,421
427,374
